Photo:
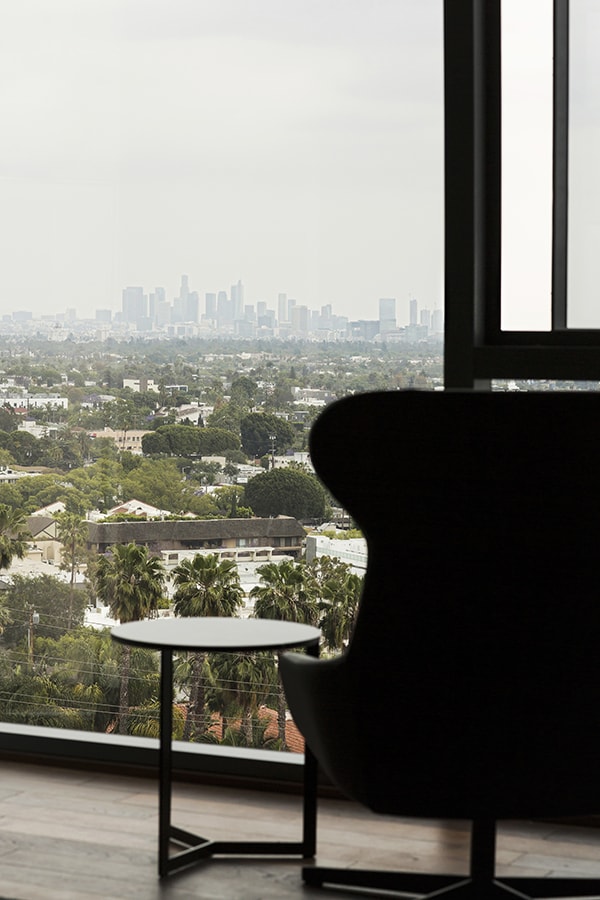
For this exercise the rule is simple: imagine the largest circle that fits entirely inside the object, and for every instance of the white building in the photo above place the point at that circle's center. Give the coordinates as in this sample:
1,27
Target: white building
352,551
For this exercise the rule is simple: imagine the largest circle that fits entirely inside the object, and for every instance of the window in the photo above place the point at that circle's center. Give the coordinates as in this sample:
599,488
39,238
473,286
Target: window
499,322
295,143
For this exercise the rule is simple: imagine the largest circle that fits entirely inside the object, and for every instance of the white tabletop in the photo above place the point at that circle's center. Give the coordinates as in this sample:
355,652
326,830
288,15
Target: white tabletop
226,634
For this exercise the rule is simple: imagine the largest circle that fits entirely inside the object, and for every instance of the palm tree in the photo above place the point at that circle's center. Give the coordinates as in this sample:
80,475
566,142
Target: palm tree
242,682
204,587
339,591
72,533
287,592
130,582
13,535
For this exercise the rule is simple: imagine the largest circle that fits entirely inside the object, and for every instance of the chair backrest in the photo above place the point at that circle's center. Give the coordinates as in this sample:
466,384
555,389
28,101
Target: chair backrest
475,658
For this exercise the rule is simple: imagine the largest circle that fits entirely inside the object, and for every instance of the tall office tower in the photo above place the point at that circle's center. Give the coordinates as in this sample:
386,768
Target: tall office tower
300,319
326,317
267,319
425,318
261,308
163,312
71,314
103,315
315,320
290,306
180,311
387,315
413,319
134,304
192,307
156,297
210,306
437,321
282,308
224,310
237,299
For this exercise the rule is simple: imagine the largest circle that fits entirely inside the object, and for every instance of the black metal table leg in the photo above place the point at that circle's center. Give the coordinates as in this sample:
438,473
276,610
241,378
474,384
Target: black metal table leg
166,729
309,813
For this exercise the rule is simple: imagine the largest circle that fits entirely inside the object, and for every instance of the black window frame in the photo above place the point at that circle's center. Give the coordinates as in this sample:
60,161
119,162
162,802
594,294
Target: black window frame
476,348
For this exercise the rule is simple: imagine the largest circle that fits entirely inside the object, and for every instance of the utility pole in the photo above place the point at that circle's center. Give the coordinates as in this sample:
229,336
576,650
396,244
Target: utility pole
34,619
272,438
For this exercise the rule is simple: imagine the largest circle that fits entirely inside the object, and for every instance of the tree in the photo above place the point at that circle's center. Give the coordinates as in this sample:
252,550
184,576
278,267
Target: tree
338,590
130,582
13,535
9,420
204,587
188,441
242,682
243,391
158,482
76,682
227,416
72,533
287,593
24,448
256,430
47,596
286,492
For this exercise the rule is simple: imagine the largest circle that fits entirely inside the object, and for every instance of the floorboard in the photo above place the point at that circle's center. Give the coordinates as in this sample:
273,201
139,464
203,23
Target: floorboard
69,835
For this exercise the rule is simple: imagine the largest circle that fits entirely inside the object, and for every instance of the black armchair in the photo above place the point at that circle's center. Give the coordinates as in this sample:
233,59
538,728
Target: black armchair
477,640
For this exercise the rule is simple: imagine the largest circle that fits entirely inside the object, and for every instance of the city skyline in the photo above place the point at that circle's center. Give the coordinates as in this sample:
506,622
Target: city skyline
297,146
155,315
135,298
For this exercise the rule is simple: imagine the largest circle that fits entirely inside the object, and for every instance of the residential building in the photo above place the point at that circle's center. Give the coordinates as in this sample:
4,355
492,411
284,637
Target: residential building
230,538
124,438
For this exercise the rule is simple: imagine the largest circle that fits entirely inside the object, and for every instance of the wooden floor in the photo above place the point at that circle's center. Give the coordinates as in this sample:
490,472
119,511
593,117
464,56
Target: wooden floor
69,835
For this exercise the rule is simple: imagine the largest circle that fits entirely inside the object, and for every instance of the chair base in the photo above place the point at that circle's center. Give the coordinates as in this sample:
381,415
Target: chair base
428,887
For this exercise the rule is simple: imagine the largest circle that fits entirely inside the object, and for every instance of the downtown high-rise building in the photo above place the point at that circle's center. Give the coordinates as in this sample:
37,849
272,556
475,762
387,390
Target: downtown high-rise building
237,300
282,308
387,315
210,306
134,305
413,311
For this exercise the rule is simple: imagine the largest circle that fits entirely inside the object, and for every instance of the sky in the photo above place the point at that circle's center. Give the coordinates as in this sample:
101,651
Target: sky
296,145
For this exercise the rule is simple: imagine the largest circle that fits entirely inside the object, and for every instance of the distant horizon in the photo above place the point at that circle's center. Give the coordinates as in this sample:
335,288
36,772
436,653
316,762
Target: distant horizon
296,146
90,313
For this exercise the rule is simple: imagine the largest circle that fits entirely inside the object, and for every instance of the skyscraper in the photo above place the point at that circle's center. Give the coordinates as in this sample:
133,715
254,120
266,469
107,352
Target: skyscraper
237,300
387,315
210,306
413,312
134,304
282,308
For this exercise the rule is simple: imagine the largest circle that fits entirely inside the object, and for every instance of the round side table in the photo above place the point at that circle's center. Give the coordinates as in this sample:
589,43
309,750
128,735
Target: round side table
226,635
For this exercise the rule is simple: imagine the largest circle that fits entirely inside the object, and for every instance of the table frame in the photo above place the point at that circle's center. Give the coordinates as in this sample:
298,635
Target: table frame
199,848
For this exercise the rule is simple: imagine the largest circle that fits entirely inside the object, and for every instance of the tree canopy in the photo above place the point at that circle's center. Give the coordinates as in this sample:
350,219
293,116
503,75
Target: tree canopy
286,492
13,535
256,430
49,597
188,440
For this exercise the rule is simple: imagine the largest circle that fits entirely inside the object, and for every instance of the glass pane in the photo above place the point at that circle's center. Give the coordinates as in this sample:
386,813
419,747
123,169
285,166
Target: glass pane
292,149
584,175
295,145
527,48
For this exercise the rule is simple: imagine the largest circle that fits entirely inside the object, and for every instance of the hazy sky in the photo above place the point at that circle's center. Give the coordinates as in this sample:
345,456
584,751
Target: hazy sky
296,145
